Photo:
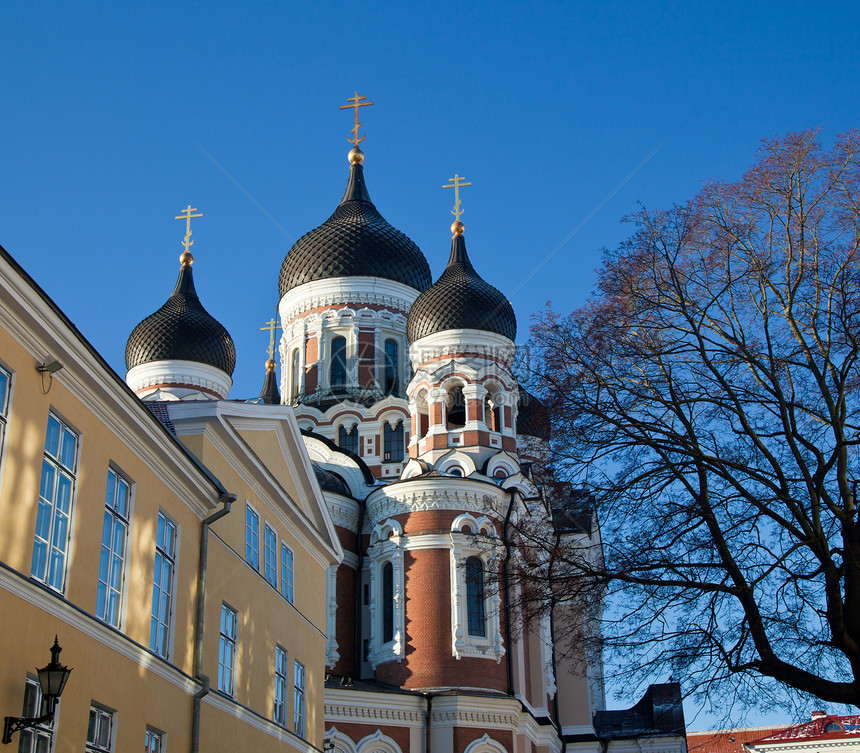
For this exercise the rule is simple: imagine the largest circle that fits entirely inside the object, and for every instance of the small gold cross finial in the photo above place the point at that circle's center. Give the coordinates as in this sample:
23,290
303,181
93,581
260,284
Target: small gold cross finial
356,103
271,325
457,183
186,215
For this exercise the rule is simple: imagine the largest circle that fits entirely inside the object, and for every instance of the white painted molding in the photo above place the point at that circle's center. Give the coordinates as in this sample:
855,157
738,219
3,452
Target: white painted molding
332,655
178,372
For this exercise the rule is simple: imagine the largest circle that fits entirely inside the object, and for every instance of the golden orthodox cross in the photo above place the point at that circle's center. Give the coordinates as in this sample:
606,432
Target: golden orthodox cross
457,183
187,215
271,325
356,103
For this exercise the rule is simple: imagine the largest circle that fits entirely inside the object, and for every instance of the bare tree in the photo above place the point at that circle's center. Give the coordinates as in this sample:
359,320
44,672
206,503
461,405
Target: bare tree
707,396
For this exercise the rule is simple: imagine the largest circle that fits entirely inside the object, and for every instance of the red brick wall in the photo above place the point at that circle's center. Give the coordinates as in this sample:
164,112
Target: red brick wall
345,622
429,662
311,368
366,359
463,736
356,732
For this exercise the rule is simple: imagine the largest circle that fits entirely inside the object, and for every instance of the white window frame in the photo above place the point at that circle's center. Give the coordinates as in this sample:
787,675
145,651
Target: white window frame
163,621
153,740
30,710
252,536
288,565
299,698
116,526
227,640
475,537
386,546
282,684
103,716
5,400
270,565
46,529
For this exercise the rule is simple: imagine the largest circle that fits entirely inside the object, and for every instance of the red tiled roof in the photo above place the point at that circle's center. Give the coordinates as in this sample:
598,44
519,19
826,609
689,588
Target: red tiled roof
727,740
848,726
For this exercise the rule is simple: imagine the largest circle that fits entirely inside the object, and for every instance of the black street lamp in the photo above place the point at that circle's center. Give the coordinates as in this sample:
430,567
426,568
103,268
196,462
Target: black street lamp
52,680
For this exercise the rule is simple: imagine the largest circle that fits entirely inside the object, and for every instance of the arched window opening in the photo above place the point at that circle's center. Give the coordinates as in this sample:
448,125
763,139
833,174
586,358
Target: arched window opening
294,374
393,450
390,380
387,602
500,473
475,610
337,373
423,415
456,408
348,440
456,470
492,413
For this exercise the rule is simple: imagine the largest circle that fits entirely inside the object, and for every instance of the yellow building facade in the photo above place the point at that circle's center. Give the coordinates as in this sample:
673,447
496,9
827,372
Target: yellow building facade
178,557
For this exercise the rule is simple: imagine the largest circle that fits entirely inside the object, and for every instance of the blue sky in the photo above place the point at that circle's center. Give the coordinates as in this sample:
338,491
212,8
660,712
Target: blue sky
113,120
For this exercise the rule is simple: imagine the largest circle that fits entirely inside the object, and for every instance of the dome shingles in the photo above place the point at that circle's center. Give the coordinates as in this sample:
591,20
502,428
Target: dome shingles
356,241
460,299
181,330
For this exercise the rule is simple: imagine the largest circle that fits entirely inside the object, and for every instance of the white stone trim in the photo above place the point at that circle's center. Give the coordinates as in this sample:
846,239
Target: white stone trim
386,546
377,743
169,372
378,291
485,744
463,546
332,655
454,341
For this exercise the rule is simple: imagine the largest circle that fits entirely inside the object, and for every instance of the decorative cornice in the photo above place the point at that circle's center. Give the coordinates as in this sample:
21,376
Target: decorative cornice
346,290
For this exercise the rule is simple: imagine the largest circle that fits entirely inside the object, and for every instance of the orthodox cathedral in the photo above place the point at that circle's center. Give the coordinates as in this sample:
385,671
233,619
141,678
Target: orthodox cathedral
425,448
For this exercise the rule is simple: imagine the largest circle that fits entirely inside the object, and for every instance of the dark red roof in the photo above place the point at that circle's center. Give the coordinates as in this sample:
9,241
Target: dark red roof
726,740
829,727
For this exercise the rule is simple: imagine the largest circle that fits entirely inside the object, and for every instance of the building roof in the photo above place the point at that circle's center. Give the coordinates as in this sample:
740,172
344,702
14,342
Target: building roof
356,241
460,299
726,740
659,712
532,417
822,727
181,330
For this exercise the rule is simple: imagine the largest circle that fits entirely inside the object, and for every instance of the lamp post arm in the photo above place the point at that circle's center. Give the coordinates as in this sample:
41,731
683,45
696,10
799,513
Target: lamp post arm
13,724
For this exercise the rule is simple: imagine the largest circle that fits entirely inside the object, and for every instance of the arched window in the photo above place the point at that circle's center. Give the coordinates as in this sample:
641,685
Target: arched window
456,408
477,618
393,450
387,602
492,413
423,410
348,440
390,381
294,375
337,373
456,470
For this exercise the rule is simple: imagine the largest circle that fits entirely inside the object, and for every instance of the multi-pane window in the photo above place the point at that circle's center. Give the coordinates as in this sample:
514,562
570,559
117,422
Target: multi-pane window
162,586
35,739
271,559
348,440
252,537
387,602
475,601
393,449
99,730
5,381
112,559
391,380
153,742
337,373
51,543
227,650
287,573
299,699
280,715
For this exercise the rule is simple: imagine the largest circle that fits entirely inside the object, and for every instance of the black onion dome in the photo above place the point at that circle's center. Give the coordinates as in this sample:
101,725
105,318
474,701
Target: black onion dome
460,299
532,417
355,241
181,330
